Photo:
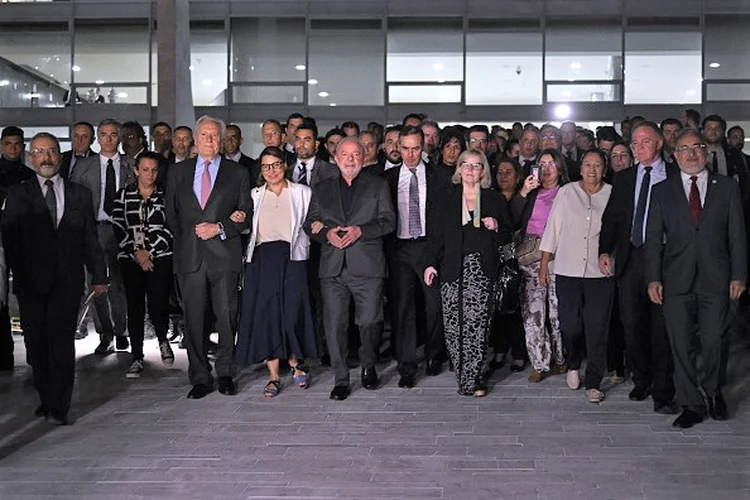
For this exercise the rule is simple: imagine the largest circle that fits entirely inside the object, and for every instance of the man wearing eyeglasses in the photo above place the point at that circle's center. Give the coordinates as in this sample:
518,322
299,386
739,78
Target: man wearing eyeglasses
696,264
49,235
622,255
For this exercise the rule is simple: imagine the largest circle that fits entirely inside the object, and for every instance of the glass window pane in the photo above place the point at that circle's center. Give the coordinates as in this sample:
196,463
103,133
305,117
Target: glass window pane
346,68
34,68
268,50
111,52
252,138
583,93
424,93
588,52
727,39
111,95
663,68
728,92
503,68
268,95
208,60
425,51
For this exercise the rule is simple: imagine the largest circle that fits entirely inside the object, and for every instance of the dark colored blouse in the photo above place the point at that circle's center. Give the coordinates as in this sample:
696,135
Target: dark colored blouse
133,214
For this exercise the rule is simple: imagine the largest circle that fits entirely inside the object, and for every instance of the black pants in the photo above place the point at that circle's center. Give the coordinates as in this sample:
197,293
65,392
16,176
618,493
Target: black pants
316,298
220,288
112,306
368,315
646,341
49,323
6,332
584,306
616,344
507,331
407,278
143,287
686,315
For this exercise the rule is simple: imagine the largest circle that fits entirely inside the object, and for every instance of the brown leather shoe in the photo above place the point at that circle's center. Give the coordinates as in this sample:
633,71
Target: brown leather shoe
535,376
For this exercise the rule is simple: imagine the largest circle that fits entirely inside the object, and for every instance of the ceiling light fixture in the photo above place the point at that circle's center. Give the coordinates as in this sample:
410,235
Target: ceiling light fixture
99,82
300,67
4,83
191,67
312,81
714,65
323,94
333,104
562,111
76,67
122,95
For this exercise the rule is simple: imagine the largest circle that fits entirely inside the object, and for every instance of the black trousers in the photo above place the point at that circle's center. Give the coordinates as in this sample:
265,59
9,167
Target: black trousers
686,315
407,278
143,287
112,306
220,288
646,341
49,323
616,344
316,298
367,293
584,306
6,332
507,331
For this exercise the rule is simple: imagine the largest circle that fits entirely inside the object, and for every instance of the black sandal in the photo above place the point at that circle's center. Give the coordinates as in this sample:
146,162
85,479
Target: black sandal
272,389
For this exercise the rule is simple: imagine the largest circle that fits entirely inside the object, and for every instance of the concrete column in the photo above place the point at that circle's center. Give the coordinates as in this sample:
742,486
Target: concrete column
173,42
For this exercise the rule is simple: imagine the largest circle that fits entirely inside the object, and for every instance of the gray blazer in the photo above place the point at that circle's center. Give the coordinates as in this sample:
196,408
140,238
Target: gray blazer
686,257
372,210
88,173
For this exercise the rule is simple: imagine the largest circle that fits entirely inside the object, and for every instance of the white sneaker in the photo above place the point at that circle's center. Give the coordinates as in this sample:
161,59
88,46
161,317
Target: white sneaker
594,395
135,369
167,356
573,379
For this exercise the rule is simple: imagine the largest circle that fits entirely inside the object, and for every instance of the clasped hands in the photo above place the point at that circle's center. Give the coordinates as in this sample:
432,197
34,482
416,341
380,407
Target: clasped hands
208,230
352,234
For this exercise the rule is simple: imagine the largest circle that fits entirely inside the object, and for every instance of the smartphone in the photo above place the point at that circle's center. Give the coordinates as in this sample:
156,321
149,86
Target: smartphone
535,172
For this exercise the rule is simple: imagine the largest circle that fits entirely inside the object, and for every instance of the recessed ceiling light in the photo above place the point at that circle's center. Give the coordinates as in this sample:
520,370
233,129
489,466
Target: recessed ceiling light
51,75
312,81
4,83
76,67
714,65
562,111
441,81
122,95
99,82
575,65
300,67
207,82
323,94
191,67
333,104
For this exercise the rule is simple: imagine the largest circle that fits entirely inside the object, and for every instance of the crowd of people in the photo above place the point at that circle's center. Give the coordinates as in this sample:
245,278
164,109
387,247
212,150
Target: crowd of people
623,248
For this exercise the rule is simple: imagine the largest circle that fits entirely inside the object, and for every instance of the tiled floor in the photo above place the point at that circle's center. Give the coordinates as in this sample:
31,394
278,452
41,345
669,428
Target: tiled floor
144,440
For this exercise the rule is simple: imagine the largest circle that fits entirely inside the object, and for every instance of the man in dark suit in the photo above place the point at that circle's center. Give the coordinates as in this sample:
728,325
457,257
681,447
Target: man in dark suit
696,263
414,187
202,195
551,138
49,234
349,216
116,171
83,137
232,143
621,254
371,163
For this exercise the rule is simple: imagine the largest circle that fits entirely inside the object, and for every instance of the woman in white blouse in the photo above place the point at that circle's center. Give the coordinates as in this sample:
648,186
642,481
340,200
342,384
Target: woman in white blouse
276,320
584,293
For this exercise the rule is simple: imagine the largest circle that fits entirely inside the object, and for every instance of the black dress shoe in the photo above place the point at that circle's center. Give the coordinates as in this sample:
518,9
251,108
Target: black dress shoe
687,419
369,378
434,367
665,407
340,392
226,386
122,343
105,348
57,419
406,381
639,393
199,391
41,411
325,360
717,407
517,368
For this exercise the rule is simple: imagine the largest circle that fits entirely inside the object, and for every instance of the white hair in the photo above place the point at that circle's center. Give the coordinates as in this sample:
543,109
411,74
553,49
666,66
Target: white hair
217,121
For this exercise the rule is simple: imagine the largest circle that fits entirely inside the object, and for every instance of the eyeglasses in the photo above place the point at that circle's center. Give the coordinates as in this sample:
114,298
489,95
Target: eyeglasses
468,167
42,151
277,165
695,148
549,137
548,165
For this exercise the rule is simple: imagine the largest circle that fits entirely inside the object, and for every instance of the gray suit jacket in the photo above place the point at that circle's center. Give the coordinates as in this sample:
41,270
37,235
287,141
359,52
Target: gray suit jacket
372,211
686,257
87,172
231,192
321,171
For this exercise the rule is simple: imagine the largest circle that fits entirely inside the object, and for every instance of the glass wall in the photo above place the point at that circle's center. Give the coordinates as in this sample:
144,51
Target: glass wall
208,63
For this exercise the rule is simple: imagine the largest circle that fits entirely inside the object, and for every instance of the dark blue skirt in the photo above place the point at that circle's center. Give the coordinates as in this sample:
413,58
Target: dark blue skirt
276,321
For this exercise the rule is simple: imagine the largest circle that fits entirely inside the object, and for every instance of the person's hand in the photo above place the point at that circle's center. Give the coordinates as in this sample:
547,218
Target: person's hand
429,275
207,230
333,237
736,288
490,223
100,290
316,226
530,184
544,274
353,233
238,217
143,258
605,265
656,292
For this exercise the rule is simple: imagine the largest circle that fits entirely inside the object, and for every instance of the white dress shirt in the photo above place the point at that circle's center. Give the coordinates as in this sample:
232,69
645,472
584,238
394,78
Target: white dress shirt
702,183
404,179
101,214
309,164
389,165
236,157
59,188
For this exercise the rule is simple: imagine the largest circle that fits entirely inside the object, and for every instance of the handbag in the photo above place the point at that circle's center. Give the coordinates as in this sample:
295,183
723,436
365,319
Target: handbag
527,251
508,289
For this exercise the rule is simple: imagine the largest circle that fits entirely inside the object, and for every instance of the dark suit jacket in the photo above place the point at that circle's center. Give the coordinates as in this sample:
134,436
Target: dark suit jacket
67,157
445,237
372,211
704,257
617,221
322,170
42,258
11,173
231,192
87,172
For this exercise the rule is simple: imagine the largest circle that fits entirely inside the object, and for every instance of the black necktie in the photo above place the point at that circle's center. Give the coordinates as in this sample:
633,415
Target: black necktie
715,162
569,154
110,188
302,174
640,210
51,200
